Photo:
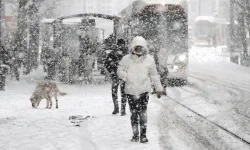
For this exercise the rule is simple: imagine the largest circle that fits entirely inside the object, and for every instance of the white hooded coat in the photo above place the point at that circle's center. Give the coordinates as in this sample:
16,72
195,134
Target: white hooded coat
139,73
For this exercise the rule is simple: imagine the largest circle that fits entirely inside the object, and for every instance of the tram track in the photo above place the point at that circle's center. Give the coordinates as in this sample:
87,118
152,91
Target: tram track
212,122
240,93
232,87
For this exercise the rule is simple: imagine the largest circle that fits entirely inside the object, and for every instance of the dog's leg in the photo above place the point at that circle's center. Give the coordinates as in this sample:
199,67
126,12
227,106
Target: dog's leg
50,106
38,103
47,103
56,101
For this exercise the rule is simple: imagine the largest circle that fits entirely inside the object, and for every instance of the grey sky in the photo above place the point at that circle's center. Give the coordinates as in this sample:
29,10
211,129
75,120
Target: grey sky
113,7
100,6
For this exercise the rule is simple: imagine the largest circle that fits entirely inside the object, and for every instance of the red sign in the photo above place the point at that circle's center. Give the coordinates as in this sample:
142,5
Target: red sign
10,18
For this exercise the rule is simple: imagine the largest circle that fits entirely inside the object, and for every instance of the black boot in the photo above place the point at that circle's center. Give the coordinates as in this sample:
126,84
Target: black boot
135,139
123,111
143,139
116,111
134,123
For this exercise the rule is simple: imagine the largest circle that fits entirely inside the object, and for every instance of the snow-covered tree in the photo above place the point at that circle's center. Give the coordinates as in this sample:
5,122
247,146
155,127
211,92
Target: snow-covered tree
27,35
239,26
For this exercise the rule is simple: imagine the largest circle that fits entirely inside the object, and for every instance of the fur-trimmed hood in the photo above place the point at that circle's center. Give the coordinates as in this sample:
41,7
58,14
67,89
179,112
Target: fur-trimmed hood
139,41
139,72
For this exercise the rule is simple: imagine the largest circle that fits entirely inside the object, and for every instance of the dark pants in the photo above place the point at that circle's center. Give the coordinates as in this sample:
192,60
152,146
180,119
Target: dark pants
115,85
138,109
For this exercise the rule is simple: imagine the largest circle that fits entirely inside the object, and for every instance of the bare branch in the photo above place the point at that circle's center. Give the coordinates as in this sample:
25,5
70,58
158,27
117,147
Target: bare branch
242,6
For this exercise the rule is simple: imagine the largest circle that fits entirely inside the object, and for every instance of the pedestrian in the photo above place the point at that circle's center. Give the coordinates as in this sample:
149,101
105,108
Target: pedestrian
138,71
111,64
4,66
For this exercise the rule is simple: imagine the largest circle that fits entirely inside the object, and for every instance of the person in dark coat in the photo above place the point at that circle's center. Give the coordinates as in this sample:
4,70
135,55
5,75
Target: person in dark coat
4,66
111,64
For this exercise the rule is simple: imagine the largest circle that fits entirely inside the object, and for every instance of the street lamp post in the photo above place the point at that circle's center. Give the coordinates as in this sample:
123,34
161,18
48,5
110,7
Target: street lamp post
1,13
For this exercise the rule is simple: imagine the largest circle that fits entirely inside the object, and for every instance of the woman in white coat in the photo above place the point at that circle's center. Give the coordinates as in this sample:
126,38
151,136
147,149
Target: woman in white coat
138,70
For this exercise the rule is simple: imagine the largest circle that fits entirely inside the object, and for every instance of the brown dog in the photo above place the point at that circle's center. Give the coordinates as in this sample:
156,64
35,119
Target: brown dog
45,90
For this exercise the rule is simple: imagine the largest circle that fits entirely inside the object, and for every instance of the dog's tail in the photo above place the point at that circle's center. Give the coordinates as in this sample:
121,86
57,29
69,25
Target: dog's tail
62,93
59,92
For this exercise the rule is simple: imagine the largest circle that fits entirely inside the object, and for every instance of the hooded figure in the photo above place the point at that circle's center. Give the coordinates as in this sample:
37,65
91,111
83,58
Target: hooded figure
138,71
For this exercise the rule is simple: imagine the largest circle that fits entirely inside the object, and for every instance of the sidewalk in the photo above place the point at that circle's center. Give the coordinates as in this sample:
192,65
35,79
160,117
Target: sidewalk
22,127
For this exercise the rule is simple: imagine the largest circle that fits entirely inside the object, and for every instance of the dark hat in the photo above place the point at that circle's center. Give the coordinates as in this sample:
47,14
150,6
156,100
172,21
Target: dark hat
120,41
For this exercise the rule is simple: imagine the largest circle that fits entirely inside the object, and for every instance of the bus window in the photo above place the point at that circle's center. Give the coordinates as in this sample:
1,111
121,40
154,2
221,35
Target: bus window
166,28
203,29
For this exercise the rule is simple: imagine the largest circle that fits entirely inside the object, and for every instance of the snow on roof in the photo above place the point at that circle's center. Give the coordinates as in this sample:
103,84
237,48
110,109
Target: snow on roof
135,6
211,19
163,2
47,20
66,21
72,20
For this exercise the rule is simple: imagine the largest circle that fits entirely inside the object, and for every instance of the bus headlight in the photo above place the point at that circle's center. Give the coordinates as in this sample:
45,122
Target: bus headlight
175,67
181,58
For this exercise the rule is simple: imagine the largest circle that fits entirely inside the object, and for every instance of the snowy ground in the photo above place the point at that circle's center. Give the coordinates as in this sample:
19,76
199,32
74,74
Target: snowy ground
22,127
217,95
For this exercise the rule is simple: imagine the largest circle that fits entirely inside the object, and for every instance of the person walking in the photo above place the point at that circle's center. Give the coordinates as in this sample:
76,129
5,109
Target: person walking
111,64
138,71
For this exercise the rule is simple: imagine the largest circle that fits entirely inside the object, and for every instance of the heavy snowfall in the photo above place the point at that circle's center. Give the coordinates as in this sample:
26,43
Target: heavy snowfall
102,55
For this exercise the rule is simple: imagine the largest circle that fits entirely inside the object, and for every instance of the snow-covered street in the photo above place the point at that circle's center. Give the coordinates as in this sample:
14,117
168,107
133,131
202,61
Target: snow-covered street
25,128
211,112
69,67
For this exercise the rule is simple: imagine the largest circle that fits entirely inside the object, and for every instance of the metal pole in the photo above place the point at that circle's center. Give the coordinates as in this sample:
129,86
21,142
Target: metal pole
231,27
1,14
232,41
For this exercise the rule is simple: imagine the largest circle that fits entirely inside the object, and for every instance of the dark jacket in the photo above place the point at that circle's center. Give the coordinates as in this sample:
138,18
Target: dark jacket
113,59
